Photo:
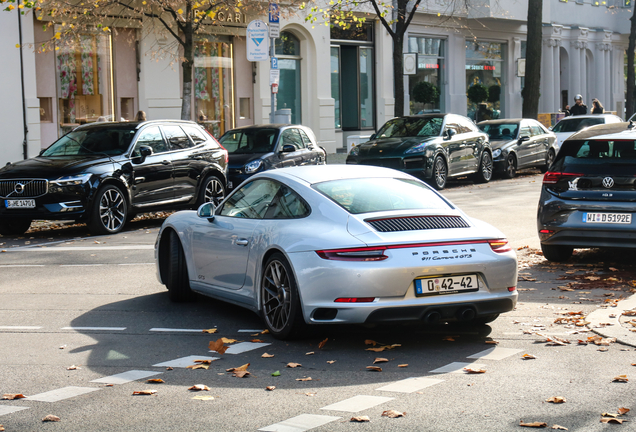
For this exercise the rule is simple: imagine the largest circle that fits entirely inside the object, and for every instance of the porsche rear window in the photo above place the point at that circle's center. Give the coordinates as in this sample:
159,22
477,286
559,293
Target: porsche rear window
366,195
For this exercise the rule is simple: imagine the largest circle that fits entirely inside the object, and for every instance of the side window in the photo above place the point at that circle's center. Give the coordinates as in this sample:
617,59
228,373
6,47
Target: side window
232,141
525,132
292,137
287,205
305,138
536,130
177,138
250,201
465,126
151,137
196,134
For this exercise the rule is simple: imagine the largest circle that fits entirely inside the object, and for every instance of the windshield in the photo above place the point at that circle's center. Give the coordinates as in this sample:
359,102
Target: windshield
576,124
87,142
365,195
411,127
250,141
596,153
505,131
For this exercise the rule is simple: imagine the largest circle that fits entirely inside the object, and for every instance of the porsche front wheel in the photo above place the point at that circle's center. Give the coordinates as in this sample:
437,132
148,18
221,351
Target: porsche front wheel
280,302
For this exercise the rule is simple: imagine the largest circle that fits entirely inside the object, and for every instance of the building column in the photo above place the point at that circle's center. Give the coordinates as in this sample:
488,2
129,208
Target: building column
556,74
601,77
548,73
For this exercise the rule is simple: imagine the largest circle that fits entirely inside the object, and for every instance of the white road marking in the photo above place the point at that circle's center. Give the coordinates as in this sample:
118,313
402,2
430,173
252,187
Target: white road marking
184,362
300,423
161,329
126,377
134,264
20,328
456,367
410,385
61,394
250,331
21,265
5,409
81,265
242,347
95,328
357,403
496,353
38,248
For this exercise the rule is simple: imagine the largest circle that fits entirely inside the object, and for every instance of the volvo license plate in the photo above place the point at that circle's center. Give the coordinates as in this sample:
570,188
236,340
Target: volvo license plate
19,204
607,218
446,284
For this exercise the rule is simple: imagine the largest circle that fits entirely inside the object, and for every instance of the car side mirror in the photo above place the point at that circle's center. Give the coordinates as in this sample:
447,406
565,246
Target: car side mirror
145,151
206,210
372,137
523,139
448,133
288,148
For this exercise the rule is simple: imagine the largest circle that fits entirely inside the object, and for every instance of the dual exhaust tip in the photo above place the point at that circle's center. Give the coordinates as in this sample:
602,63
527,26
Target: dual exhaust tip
435,317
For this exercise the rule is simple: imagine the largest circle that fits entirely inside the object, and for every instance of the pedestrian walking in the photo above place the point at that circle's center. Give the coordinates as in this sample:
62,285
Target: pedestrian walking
597,108
579,108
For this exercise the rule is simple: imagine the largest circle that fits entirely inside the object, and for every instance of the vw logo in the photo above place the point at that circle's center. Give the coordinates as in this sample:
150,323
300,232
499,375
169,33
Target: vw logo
19,188
608,182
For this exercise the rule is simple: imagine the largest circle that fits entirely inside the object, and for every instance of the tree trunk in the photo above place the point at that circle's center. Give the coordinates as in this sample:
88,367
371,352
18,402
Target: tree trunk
398,74
532,87
187,65
629,104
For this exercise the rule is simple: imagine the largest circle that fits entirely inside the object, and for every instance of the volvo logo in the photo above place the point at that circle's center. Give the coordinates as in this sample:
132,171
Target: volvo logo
608,182
19,188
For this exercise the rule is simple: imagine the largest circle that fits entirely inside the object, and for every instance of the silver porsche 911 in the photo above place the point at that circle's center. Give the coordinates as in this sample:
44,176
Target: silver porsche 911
339,244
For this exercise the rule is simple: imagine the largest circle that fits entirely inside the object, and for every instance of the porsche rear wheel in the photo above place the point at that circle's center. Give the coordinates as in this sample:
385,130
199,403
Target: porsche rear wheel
176,278
280,302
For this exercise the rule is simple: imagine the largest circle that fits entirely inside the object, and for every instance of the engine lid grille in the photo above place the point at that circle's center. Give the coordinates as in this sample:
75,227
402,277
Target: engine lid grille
415,223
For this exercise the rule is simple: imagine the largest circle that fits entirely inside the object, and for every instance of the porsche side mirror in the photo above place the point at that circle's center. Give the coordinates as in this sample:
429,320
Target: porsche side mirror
206,210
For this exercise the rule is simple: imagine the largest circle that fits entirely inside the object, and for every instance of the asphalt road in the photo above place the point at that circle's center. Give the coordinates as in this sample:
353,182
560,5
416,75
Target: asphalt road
95,303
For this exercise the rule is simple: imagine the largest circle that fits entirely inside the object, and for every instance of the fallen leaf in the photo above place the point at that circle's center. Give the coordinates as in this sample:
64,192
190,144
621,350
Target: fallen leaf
12,396
238,369
528,357
210,330
256,341
622,411
311,394
108,385
310,353
217,346
612,420
534,424
240,374
556,426
265,332
474,371
380,360
603,349
323,343
374,368
613,269
370,342
492,342
203,397
198,366
293,365
1,428
51,418
275,374
360,419
448,338
73,367
556,399
265,355
333,361
393,414
304,379
270,388
203,361
403,365
228,341
155,381
199,387
144,392
169,368
620,378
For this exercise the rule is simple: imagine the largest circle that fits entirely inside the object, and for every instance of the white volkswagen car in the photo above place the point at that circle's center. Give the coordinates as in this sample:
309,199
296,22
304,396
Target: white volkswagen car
335,244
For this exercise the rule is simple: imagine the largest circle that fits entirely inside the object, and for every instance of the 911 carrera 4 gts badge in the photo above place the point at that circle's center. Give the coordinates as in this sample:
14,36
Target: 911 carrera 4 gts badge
447,254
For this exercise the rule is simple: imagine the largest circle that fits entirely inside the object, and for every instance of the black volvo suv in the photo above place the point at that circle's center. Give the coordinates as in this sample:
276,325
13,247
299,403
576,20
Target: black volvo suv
105,173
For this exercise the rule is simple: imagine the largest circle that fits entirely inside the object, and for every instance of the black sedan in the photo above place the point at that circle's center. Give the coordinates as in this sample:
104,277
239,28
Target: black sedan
259,148
105,173
431,146
519,143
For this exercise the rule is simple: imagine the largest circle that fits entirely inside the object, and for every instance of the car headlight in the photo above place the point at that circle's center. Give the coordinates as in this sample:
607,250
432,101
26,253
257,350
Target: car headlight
252,167
354,151
496,153
417,149
73,180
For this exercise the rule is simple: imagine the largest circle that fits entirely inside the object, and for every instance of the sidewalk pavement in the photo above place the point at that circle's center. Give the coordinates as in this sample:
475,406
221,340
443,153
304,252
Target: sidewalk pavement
620,328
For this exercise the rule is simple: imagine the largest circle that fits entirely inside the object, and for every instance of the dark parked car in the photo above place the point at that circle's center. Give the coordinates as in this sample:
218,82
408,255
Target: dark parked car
430,146
519,143
588,197
259,148
105,173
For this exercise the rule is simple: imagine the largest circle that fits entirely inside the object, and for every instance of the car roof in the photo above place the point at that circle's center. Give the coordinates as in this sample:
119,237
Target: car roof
131,124
503,121
265,126
606,131
320,173
589,116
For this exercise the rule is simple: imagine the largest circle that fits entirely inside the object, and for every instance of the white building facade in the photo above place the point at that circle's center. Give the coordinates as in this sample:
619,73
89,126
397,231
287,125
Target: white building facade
338,82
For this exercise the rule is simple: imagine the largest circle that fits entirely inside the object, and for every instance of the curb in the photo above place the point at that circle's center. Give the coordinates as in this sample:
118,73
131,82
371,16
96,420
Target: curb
616,330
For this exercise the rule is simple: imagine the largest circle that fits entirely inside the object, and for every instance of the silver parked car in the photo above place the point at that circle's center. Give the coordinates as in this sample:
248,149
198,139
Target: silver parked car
319,245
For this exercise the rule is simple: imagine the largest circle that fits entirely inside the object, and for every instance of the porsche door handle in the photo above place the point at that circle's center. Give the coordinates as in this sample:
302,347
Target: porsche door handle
242,242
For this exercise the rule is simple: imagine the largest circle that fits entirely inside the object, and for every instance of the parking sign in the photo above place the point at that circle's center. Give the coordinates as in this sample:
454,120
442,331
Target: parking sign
274,20
257,39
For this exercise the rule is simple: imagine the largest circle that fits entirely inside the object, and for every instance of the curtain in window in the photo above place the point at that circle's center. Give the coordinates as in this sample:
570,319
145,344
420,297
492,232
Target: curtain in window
200,77
88,69
68,78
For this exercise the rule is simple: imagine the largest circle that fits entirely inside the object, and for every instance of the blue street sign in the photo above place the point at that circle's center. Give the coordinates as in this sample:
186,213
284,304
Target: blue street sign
274,12
274,64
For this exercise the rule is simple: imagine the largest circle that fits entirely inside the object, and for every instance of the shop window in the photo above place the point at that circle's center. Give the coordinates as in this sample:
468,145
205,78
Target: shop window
213,84
127,108
244,108
46,114
287,49
353,76
84,81
426,86
484,71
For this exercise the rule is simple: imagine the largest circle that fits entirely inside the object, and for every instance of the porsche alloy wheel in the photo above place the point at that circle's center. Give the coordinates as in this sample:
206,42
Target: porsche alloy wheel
279,297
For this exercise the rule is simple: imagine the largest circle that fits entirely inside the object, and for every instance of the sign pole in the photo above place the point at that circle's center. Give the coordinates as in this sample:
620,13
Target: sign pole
274,73
272,62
